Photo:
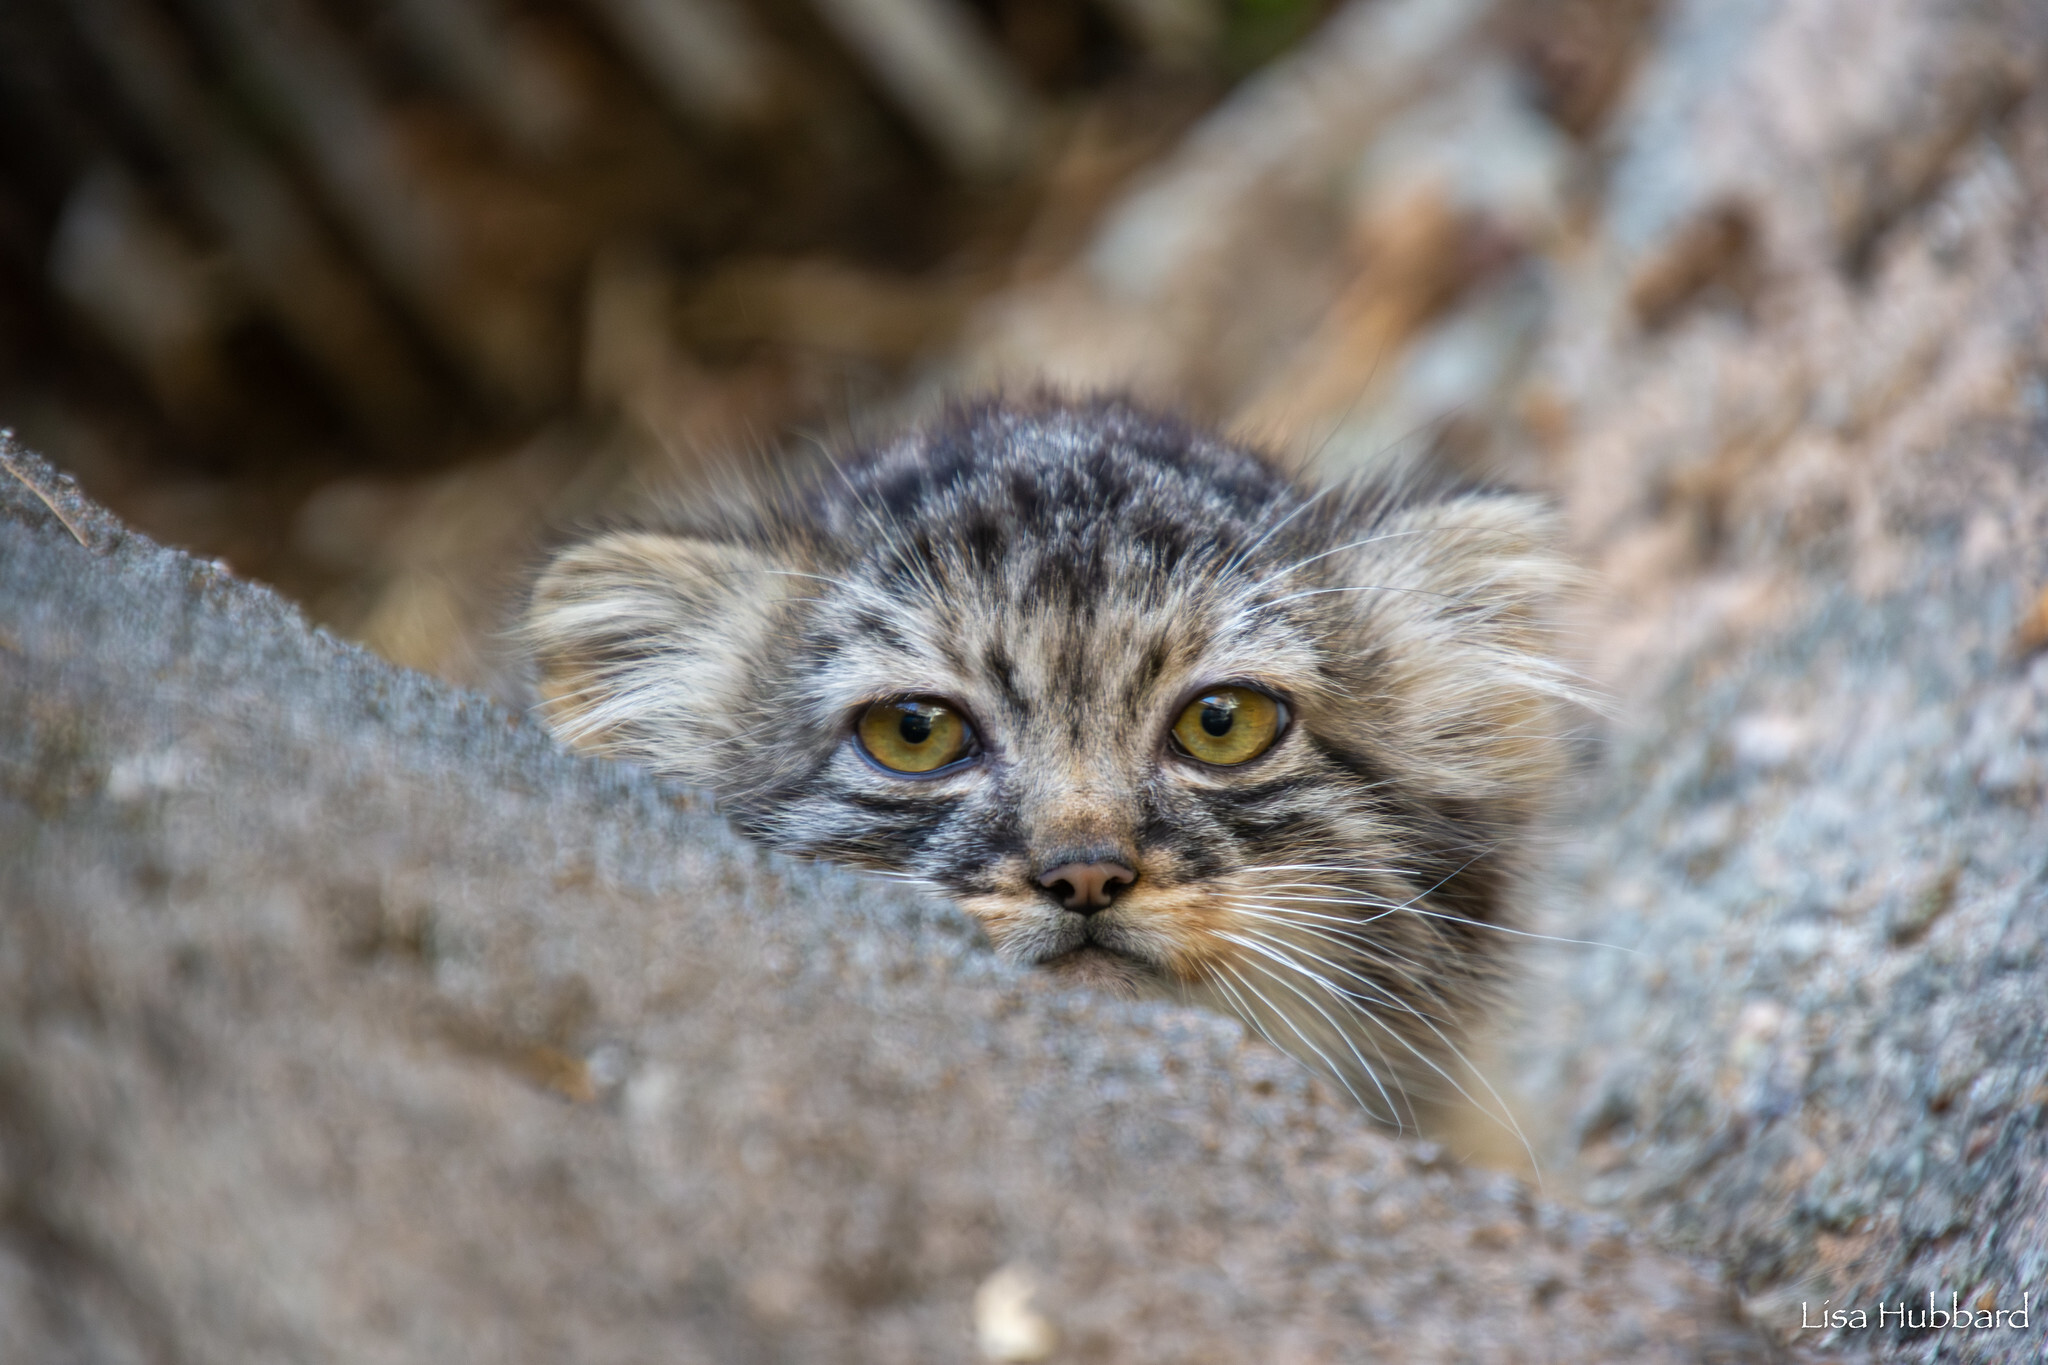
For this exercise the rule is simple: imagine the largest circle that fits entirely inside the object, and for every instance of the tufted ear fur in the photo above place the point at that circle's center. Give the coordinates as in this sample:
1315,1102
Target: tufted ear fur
647,643
1460,626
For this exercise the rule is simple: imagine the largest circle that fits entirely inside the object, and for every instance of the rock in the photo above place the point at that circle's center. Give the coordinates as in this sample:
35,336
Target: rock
1817,823
342,1017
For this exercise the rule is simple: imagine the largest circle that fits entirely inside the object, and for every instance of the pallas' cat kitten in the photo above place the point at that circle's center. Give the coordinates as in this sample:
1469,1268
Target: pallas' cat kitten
1156,715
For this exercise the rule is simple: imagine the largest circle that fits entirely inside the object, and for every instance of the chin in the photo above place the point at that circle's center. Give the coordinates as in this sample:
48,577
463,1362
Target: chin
1100,969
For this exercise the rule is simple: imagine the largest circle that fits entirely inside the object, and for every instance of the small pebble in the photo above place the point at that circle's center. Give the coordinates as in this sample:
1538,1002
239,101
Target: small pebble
1006,1324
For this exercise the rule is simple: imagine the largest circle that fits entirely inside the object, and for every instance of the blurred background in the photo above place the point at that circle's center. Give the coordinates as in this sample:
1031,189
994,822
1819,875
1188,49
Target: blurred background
373,299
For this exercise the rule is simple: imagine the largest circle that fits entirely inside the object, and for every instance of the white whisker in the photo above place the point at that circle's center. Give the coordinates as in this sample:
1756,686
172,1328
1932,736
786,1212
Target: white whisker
1273,952
1505,1116
1520,933
1301,564
1335,1071
1360,587
1361,947
1243,557
1385,908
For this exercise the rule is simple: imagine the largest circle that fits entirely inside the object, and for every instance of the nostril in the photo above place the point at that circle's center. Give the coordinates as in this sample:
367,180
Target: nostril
1086,887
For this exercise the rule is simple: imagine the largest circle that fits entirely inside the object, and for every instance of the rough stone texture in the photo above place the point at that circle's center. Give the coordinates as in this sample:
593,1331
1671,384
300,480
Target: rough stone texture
1815,477
343,1018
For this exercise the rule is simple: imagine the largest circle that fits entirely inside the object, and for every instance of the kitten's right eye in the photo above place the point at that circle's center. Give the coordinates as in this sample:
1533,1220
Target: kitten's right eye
1229,726
915,736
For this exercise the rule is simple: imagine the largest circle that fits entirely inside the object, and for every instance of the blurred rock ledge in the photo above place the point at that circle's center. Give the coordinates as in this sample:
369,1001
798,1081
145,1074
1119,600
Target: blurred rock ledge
344,1018
1796,377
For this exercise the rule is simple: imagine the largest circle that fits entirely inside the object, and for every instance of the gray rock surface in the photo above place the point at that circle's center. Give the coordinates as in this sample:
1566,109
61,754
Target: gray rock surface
1819,497
343,1018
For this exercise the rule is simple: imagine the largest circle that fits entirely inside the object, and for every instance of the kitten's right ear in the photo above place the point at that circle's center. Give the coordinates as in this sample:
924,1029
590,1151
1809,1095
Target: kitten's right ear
646,645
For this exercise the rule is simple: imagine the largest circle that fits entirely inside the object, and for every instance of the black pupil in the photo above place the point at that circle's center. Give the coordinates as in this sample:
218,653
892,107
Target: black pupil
1216,719
915,727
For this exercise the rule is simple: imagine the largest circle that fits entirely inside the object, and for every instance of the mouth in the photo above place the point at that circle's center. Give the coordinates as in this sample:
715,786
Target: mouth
1105,935
1099,968
1103,950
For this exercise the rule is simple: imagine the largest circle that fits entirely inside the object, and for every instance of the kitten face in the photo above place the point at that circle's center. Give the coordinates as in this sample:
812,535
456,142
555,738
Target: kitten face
1160,719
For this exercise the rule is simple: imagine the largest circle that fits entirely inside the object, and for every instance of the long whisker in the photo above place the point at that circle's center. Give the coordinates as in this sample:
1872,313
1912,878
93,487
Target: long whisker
1360,947
1336,1072
1500,1114
1243,557
1504,1115
887,874
1360,587
1519,933
1248,1014
1280,905
1301,564
1287,900
1386,908
1253,1017
1343,869
1341,1032
1347,935
1268,946
1378,989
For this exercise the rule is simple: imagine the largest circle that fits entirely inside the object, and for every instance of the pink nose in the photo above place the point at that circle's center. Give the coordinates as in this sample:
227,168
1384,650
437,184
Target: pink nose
1086,887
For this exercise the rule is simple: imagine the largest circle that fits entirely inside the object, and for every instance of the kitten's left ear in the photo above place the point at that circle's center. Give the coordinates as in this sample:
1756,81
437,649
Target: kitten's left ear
647,644
1464,643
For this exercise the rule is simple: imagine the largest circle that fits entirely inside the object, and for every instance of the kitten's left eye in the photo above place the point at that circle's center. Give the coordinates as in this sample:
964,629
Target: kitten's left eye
1229,725
915,736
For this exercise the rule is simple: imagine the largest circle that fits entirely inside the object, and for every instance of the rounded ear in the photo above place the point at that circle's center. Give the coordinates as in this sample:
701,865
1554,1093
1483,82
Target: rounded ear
1460,627
648,645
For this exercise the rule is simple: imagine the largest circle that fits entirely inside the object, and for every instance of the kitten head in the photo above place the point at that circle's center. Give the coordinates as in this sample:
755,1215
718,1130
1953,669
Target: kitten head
1154,714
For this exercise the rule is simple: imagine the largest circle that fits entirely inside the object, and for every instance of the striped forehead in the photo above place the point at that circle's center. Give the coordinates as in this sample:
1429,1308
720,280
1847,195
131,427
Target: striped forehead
1121,654
1045,581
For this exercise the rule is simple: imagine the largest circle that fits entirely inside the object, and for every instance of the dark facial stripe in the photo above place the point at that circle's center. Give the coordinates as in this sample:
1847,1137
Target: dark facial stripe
1002,670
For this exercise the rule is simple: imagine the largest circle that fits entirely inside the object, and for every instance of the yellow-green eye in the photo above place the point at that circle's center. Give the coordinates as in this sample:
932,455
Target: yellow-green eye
1227,725
915,736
